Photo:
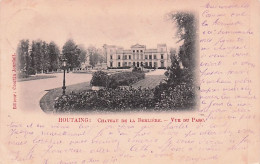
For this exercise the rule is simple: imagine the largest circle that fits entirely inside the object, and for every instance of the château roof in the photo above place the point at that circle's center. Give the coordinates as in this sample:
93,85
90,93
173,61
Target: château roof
138,46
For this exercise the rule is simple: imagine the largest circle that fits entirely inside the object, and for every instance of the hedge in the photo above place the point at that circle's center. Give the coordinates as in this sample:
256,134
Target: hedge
101,78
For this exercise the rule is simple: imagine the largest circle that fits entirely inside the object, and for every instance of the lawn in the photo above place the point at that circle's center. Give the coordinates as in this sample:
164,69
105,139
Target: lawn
36,77
150,81
47,101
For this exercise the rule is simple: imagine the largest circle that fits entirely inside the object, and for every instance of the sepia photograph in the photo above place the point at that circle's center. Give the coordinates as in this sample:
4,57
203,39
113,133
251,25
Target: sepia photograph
111,67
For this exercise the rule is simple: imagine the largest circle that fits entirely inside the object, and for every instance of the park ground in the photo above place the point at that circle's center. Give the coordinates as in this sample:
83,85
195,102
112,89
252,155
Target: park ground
40,94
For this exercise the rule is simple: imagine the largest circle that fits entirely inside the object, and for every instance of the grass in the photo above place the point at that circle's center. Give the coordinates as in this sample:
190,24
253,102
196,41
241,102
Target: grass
47,101
37,77
150,81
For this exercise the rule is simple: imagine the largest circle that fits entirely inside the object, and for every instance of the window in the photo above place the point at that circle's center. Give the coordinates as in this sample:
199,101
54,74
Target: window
125,56
161,56
111,64
154,56
150,64
146,56
125,63
119,64
111,57
133,63
137,50
137,64
155,64
129,63
141,50
129,56
118,57
142,64
146,64
162,64
150,56
133,51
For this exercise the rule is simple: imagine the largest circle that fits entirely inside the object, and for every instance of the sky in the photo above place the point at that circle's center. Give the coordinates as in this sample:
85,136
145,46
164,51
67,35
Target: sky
90,22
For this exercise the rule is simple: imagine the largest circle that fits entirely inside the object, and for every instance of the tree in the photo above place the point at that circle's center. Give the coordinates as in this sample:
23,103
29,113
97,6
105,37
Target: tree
23,63
82,54
37,53
54,54
174,72
93,59
46,57
71,52
186,24
93,55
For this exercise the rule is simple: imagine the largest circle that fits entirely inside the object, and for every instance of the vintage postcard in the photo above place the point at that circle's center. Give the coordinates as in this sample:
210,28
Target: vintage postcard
118,82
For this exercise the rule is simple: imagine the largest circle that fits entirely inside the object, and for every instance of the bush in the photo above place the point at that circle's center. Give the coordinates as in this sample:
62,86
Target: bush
99,78
149,67
136,69
179,96
124,67
161,67
22,74
124,79
121,99
31,71
106,99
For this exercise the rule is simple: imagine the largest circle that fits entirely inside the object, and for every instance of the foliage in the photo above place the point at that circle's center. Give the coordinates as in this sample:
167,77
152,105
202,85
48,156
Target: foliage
99,78
149,67
122,99
82,54
136,69
118,99
71,52
93,59
23,56
186,24
42,57
54,56
124,79
124,67
179,96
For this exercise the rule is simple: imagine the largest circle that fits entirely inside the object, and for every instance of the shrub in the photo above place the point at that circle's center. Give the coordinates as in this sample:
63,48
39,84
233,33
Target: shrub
99,78
136,69
31,71
161,67
106,99
124,67
124,78
179,96
149,67
22,74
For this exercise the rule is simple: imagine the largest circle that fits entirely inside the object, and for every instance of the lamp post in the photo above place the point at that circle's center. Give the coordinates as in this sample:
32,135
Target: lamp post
64,65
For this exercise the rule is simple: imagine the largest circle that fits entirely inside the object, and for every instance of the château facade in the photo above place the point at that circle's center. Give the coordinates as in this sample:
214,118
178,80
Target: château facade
137,56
